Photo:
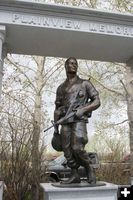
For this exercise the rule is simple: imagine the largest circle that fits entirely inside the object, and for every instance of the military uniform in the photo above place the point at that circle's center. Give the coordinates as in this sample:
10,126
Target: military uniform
71,96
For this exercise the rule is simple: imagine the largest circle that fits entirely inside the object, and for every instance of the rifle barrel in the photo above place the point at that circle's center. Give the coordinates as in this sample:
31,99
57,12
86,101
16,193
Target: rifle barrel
48,128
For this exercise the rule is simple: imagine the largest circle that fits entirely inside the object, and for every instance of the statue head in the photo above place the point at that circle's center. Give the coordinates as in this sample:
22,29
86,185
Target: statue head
71,65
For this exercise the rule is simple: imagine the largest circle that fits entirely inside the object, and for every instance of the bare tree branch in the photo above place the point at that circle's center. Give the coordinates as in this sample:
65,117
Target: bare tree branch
18,101
18,67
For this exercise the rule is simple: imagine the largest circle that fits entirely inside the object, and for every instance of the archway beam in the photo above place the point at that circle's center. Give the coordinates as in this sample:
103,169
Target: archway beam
63,31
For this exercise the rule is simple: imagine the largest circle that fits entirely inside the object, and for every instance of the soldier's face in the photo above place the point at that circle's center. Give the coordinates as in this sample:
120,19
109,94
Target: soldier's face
71,66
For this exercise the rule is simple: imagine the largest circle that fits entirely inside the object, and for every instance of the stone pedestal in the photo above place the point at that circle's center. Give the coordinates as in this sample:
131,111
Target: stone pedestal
107,192
1,190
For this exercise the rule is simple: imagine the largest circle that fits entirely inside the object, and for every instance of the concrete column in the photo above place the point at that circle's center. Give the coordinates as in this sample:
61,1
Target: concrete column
2,39
1,190
129,88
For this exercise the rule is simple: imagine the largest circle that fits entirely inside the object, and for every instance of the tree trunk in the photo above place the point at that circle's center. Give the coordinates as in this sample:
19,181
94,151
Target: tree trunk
37,129
35,151
129,88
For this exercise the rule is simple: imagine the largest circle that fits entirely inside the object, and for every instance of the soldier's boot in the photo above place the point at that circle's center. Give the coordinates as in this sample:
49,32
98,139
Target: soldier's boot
91,177
75,178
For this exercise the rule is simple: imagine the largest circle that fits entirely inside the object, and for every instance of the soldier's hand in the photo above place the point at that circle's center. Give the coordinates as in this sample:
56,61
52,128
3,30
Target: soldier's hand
79,113
56,131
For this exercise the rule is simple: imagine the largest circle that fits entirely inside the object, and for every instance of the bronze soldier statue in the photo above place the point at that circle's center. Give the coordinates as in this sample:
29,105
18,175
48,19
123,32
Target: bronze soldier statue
79,96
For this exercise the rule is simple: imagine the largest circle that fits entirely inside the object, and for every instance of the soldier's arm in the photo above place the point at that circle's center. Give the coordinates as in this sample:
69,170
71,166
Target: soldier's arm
93,96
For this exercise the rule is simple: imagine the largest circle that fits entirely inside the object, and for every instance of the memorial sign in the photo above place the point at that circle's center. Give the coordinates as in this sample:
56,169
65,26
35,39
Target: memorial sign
37,29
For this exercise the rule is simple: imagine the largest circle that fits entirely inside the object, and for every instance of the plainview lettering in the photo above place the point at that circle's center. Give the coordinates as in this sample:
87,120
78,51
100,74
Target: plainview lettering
46,21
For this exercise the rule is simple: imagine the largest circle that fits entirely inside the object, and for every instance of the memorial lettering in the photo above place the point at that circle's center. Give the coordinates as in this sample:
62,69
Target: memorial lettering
64,23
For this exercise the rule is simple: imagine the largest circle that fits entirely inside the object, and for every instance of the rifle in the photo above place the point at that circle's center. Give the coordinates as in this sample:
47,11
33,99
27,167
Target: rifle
68,114
62,120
